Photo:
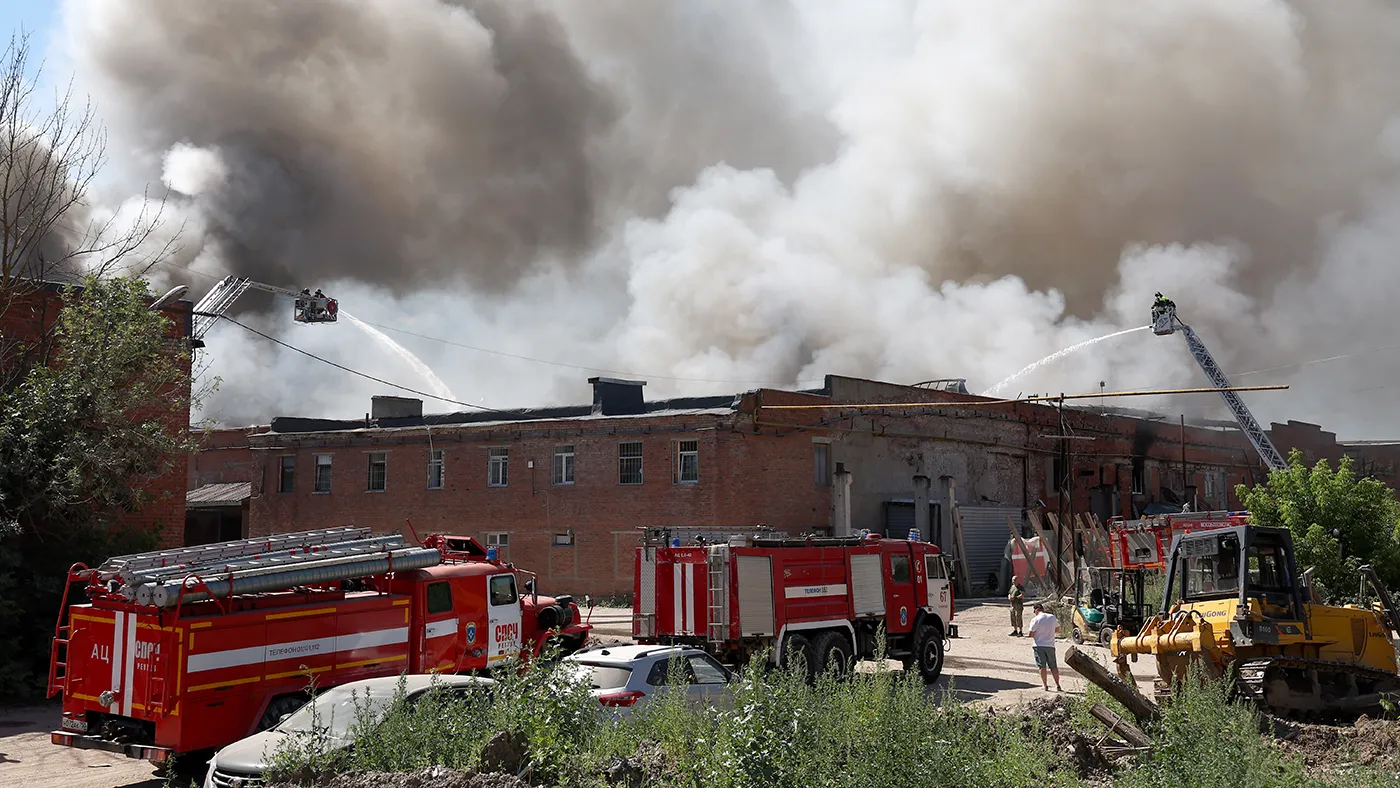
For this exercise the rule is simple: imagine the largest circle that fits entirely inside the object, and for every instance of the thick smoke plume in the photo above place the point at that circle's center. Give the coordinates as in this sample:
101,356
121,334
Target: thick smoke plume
720,195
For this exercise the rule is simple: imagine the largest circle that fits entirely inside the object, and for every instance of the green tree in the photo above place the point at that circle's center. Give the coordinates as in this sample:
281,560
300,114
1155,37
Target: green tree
1338,521
81,437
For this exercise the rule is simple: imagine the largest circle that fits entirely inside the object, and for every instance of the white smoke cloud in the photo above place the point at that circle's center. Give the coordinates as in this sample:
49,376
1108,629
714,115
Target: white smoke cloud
770,192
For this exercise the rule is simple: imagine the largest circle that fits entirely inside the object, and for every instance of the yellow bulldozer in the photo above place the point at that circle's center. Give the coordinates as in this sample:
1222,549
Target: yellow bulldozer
1235,604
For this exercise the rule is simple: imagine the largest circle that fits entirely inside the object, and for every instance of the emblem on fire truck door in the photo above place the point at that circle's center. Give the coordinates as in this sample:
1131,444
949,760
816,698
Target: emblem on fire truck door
903,616
471,632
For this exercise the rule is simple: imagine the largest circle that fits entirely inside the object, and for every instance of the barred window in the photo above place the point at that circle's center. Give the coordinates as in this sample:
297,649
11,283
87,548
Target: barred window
378,471
497,472
629,462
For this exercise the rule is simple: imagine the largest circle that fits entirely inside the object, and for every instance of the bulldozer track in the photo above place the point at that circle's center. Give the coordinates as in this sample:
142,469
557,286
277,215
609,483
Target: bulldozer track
1251,675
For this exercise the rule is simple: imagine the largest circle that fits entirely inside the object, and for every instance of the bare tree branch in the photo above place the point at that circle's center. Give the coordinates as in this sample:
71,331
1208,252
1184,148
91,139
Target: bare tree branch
50,157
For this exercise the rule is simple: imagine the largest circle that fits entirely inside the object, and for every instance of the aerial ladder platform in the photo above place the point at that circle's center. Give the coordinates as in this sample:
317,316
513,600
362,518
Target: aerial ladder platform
1164,322
310,307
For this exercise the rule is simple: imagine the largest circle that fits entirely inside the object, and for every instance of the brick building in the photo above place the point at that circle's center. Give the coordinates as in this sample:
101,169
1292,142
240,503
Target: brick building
563,491
27,319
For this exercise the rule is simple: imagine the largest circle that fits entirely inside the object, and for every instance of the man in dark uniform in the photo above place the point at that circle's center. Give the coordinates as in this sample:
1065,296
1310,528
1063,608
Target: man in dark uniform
1017,595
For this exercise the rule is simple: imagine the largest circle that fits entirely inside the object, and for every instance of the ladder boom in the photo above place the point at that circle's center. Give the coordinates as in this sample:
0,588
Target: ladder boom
1165,321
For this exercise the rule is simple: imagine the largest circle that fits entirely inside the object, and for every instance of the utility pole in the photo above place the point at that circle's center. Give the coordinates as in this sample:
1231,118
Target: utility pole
1066,502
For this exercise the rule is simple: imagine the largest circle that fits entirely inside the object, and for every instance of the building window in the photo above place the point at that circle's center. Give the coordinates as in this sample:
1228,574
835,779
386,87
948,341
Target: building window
563,464
821,463
286,478
497,470
435,469
499,540
1139,476
323,473
564,540
378,471
1057,472
687,462
629,463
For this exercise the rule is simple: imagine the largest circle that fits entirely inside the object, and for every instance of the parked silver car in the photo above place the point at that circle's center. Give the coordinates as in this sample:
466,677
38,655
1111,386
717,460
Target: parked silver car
623,676
241,764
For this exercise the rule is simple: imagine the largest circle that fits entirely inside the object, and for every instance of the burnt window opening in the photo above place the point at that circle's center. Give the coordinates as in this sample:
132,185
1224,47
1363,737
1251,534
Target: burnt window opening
1139,476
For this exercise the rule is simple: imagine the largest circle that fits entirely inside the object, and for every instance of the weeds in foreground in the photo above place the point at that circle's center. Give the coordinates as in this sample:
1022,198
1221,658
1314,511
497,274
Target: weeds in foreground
773,729
1205,740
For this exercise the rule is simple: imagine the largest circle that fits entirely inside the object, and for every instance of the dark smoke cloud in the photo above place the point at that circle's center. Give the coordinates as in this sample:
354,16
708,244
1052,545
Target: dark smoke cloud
731,193
402,143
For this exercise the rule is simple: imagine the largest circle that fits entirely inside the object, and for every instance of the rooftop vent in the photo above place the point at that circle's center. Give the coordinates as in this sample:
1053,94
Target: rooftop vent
615,397
386,407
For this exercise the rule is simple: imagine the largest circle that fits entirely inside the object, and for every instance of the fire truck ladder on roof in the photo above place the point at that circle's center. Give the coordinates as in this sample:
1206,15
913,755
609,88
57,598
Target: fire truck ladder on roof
252,566
1164,322
125,566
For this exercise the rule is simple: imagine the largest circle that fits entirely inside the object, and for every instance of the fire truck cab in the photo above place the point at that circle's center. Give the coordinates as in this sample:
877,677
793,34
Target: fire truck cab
828,600
184,651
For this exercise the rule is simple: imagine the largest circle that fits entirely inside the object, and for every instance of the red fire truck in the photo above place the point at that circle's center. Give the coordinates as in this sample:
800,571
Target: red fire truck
183,651
825,598
1145,543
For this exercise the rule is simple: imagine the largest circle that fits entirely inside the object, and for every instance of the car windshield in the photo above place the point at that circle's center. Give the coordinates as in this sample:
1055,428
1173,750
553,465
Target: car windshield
601,676
337,710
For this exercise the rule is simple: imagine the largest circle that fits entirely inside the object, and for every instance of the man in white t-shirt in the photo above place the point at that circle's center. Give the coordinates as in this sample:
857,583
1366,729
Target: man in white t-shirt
1043,628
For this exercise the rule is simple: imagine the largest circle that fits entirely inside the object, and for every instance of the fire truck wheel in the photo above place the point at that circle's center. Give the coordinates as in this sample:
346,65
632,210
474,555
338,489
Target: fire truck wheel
285,704
833,652
928,652
797,653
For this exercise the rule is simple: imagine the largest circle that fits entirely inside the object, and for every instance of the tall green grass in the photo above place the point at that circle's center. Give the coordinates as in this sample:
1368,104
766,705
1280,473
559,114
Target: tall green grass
873,730
876,729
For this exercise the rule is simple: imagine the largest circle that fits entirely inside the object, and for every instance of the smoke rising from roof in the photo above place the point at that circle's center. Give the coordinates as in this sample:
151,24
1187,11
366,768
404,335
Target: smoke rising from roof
747,193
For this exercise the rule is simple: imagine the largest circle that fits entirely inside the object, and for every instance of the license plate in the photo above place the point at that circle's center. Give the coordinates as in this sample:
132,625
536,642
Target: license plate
70,724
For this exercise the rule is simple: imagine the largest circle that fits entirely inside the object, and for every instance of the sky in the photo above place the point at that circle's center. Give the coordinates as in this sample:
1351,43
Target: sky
37,16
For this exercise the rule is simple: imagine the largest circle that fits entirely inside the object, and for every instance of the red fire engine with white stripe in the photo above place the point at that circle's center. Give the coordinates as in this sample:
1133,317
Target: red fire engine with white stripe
1145,543
184,651
825,598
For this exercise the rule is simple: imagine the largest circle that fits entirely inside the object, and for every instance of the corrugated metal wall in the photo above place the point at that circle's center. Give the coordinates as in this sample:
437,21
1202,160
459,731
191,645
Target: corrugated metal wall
985,534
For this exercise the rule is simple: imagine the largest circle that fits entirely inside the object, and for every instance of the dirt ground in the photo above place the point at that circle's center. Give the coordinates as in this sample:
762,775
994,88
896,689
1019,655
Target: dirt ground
984,666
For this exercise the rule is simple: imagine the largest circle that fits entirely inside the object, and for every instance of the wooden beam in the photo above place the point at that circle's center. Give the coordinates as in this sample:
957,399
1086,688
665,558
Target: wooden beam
1119,726
1142,708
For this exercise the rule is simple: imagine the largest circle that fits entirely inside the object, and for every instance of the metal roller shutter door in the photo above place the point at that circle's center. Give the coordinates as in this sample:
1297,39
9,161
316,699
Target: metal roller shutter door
985,534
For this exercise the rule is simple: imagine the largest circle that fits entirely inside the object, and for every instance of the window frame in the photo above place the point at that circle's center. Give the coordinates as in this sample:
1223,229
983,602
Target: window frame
383,462
287,473
639,458
492,582
329,465
563,461
908,569
498,539
498,457
437,458
444,585
681,453
821,464
568,540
